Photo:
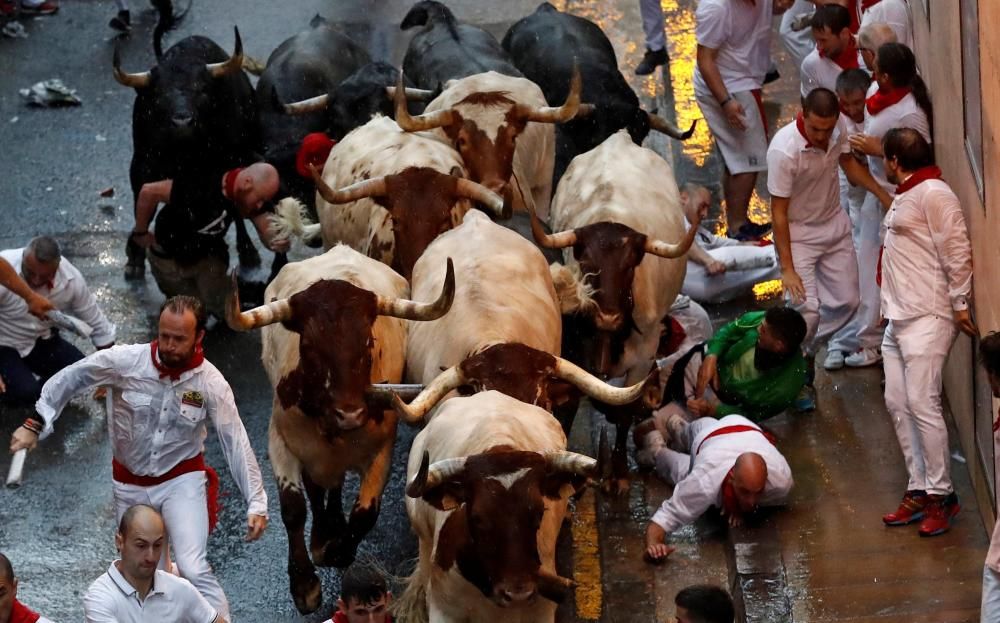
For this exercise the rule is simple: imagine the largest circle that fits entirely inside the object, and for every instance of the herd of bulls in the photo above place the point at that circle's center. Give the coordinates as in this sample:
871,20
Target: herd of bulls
420,286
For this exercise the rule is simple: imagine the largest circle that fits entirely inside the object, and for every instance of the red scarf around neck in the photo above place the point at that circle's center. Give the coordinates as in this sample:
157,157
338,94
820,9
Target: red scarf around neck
21,614
229,182
920,175
884,98
848,57
800,125
175,373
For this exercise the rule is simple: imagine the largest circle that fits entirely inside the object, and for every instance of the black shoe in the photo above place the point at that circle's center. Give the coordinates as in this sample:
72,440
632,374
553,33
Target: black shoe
749,232
771,76
121,22
650,61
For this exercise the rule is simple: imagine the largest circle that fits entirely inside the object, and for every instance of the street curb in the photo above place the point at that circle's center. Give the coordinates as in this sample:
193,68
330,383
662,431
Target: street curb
757,574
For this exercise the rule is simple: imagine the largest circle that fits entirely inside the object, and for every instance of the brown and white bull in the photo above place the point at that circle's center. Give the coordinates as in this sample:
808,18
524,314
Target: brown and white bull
335,325
388,193
504,330
503,128
489,479
616,214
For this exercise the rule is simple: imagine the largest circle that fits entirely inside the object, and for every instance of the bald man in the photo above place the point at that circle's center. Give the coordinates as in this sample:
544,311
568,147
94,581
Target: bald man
11,610
133,590
727,463
187,251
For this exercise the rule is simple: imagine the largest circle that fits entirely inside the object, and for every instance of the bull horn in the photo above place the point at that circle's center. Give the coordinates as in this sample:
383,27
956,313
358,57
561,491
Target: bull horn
570,462
411,310
432,394
665,249
233,64
313,104
558,114
269,313
430,476
480,194
417,95
135,81
550,241
367,188
554,587
428,121
596,388
660,124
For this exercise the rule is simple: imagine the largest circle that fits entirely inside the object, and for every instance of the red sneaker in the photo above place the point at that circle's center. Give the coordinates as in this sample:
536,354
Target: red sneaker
910,509
938,514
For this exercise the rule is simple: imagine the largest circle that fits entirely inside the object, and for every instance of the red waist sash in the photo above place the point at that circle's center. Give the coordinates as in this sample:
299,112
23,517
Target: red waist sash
735,428
195,464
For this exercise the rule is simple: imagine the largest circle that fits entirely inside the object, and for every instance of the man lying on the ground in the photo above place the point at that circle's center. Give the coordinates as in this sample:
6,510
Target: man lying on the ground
752,366
11,610
720,269
729,463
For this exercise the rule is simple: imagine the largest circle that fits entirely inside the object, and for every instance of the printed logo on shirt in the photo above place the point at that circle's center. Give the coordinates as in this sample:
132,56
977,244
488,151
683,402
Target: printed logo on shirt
194,399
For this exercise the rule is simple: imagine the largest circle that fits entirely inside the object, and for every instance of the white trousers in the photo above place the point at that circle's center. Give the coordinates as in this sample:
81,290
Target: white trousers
672,465
830,277
652,24
798,43
744,151
183,505
914,352
731,284
865,328
990,608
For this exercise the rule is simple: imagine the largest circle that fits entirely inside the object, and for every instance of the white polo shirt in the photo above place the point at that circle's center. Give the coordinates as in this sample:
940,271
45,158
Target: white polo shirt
807,175
905,113
741,31
819,71
111,599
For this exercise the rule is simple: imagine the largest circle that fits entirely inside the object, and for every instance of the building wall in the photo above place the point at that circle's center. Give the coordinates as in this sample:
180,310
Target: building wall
938,39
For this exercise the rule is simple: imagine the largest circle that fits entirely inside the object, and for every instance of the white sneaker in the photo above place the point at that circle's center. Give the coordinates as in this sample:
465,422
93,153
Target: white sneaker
834,359
652,443
864,357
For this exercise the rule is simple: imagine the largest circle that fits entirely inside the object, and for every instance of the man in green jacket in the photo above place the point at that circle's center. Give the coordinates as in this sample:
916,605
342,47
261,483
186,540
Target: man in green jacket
753,365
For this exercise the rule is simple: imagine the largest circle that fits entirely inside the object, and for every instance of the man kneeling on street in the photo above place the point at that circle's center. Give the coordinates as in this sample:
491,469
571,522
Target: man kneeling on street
134,590
752,366
729,463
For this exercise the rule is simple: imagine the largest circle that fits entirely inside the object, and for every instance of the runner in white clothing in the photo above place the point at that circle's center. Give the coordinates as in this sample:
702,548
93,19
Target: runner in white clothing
165,394
897,99
812,233
926,278
797,40
728,463
893,13
836,49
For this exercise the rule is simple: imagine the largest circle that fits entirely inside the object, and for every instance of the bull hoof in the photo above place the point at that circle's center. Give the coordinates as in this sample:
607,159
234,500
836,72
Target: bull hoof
616,487
307,592
334,554
135,271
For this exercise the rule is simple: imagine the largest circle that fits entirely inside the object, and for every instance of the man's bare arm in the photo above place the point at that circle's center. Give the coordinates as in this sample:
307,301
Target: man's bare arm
38,305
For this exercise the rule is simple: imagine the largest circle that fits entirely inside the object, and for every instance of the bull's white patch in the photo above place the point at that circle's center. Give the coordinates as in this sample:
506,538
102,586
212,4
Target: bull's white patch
508,479
487,118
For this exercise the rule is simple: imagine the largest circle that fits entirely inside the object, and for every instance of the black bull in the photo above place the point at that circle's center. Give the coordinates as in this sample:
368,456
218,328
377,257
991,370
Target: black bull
195,109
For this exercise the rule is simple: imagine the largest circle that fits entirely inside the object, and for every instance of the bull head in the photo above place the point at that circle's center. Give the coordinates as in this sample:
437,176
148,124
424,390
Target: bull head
141,80
499,497
525,374
334,320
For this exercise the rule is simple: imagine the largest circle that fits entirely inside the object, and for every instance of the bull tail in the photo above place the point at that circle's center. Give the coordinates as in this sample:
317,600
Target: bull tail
291,218
411,606
168,20
574,295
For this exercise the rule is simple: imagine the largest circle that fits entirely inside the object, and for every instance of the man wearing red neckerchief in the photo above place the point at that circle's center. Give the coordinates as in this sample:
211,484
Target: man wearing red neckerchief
187,252
11,610
836,49
989,356
164,395
364,596
926,276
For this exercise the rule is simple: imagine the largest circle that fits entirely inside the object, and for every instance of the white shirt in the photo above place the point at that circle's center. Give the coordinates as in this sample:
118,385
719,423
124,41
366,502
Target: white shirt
741,31
895,14
111,599
905,113
927,260
157,423
702,487
807,175
819,71
19,329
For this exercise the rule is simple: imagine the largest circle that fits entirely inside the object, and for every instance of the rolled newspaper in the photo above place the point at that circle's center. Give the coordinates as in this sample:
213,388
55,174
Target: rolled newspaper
70,323
16,469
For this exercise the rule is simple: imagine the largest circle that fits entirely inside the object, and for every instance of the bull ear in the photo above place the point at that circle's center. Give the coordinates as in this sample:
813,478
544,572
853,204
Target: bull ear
446,496
561,485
